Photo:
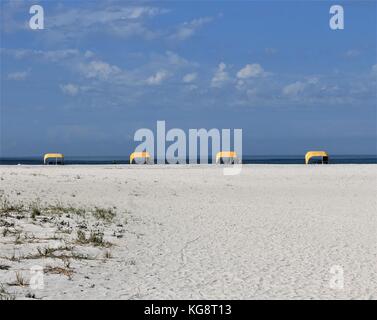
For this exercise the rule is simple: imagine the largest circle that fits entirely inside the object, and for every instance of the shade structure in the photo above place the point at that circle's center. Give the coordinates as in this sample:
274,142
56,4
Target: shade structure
230,155
58,157
311,154
145,156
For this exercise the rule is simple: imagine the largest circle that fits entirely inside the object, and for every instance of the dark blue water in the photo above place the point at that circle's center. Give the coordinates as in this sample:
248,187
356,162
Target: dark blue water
335,159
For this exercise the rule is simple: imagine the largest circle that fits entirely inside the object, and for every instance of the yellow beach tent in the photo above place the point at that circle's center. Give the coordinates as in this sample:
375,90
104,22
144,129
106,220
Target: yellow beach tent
229,157
145,156
54,158
311,154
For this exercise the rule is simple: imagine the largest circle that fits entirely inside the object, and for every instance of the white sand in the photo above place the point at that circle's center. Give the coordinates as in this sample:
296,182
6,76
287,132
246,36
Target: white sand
272,232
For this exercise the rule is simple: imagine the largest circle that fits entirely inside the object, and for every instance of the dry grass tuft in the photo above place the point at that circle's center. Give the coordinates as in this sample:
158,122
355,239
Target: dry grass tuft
95,238
6,207
19,282
107,254
106,215
4,295
68,272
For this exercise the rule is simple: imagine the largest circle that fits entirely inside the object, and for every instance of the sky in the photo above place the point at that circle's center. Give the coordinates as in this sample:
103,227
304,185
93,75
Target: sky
100,70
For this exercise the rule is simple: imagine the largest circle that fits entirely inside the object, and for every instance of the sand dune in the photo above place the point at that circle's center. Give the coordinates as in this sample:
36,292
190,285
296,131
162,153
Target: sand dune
189,232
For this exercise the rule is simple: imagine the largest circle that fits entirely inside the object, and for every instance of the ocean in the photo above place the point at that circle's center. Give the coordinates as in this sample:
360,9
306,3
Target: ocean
335,159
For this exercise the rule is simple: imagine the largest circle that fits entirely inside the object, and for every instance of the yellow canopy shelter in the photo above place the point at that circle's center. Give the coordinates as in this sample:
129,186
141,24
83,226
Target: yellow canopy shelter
59,158
322,154
140,155
231,155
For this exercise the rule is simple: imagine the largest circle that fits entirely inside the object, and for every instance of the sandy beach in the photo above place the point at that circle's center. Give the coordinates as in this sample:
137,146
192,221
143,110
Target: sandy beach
188,232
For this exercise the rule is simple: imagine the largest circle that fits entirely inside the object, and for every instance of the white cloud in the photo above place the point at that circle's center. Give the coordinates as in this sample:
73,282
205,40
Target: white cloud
10,13
89,54
51,55
188,29
157,78
169,60
220,76
70,89
59,54
87,64
270,50
294,89
86,18
312,80
175,59
18,76
99,69
132,29
121,21
240,84
252,93
310,85
190,77
352,53
250,70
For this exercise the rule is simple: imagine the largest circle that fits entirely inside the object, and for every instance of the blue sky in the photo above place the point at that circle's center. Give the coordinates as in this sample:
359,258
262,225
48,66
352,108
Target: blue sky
100,70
